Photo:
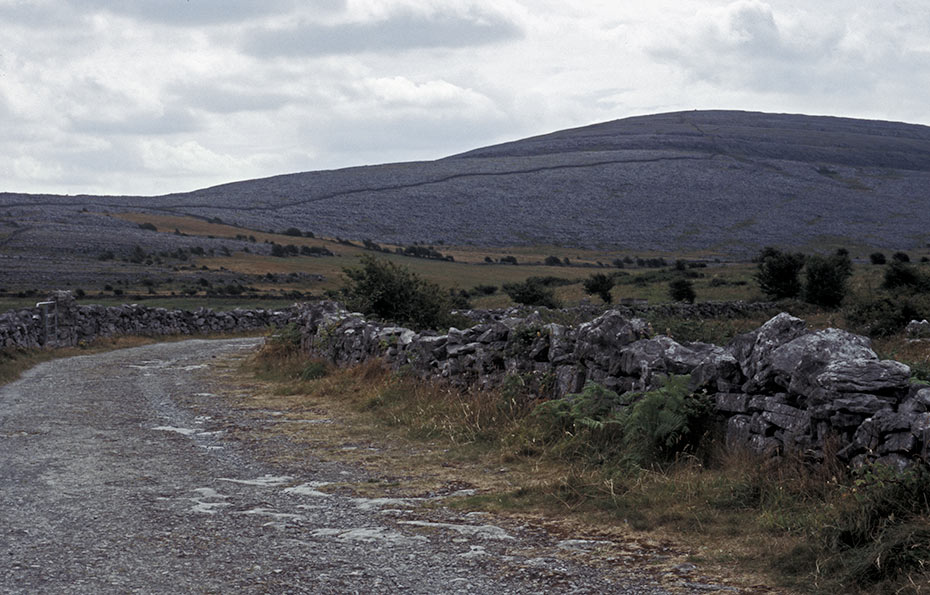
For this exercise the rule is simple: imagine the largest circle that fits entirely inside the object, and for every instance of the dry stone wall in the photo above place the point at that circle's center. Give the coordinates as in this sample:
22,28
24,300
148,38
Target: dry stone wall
777,389
68,324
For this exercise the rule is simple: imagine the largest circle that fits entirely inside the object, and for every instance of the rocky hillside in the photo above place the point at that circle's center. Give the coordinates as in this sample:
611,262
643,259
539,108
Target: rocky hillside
721,181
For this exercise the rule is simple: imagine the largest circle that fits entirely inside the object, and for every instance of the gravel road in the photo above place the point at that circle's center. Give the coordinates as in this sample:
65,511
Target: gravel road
112,482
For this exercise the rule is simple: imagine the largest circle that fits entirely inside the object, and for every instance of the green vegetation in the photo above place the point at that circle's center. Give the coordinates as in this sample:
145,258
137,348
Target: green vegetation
682,290
532,292
826,279
778,273
600,285
647,459
383,289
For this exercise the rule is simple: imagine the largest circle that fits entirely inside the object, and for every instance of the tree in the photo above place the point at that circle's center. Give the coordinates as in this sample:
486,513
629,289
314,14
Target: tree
391,292
899,275
682,290
825,278
778,273
877,258
532,292
599,284
900,257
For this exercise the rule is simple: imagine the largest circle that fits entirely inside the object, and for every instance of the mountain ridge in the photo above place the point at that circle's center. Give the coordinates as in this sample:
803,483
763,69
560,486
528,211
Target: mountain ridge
719,181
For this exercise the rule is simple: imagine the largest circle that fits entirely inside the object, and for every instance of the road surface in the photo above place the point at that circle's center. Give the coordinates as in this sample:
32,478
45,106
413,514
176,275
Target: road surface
111,482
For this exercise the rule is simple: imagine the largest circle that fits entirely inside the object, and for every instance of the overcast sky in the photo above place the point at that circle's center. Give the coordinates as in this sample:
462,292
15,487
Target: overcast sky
158,96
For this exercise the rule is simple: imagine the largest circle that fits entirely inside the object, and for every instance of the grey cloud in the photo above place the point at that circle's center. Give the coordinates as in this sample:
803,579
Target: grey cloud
227,99
169,122
401,31
201,12
413,136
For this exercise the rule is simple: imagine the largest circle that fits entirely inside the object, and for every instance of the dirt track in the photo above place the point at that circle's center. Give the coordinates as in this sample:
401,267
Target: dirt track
113,480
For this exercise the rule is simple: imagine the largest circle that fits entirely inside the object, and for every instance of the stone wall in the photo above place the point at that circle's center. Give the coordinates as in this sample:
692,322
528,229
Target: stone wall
779,388
26,328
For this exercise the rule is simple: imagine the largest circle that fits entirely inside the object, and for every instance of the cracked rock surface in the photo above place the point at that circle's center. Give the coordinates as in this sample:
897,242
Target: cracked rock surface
112,482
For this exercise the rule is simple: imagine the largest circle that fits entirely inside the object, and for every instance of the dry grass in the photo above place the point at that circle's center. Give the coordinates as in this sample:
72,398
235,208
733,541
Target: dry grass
731,510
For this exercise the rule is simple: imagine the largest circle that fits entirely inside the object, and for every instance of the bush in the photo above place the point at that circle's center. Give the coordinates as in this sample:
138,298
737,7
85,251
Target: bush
900,257
778,273
899,276
682,290
600,284
391,292
553,261
825,279
148,226
532,292
635,429
877,258
885,314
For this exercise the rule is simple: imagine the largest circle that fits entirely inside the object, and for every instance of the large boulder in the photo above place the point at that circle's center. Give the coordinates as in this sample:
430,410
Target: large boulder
753,350
609,331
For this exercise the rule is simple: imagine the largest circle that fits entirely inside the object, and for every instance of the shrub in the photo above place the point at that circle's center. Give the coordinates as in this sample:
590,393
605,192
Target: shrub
553,261
532,292
682,290
389,291
886,314
508,260
484,290
778,273
148,226
900,257
825,279
899,276
636,429
293,231
877,258
599,284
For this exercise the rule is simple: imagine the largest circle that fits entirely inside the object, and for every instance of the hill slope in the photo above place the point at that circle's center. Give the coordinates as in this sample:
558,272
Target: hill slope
720,181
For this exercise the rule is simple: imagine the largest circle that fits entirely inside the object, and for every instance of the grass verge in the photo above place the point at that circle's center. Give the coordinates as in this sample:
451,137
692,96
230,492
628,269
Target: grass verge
809,529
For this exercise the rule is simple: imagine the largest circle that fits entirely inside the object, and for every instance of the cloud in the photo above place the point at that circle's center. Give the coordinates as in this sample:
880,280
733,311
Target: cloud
746,43
202,12
228,97
402,30
172,121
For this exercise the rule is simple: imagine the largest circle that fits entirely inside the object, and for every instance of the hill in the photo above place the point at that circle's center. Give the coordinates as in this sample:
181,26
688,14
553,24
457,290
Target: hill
720,183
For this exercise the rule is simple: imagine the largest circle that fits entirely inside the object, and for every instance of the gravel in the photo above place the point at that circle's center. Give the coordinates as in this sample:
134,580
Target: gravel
113,479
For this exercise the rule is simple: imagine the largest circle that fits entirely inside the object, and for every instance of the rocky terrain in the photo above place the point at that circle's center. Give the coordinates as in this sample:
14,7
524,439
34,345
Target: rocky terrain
718,181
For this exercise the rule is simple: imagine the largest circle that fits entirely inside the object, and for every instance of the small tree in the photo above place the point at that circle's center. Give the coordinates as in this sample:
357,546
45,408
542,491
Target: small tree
389,291
825,279
900,257
531,292
778,273
877,258
682,290
599,284
899,275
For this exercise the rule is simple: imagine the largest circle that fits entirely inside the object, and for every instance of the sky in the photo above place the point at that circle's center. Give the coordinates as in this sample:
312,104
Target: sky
149,97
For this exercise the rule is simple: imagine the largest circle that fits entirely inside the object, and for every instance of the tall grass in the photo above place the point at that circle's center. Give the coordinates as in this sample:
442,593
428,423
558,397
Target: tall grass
651,461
